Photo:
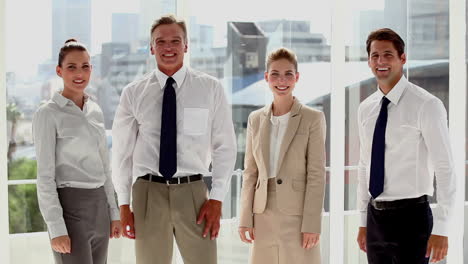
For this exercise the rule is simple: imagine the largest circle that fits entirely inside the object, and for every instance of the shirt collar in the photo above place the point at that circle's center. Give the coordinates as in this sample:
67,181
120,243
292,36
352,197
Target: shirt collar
178,77
62,101
396,92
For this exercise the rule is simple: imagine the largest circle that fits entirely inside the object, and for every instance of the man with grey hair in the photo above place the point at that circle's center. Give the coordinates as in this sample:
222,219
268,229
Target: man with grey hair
170,125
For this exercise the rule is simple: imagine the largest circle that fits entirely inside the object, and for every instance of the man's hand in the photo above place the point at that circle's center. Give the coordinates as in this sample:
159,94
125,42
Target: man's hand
438,245
127,221
211,212
243,237
61,244
361,238
310,240
115,229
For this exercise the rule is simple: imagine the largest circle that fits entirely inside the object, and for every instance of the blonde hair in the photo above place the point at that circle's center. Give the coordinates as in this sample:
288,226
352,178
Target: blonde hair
281,53
169,20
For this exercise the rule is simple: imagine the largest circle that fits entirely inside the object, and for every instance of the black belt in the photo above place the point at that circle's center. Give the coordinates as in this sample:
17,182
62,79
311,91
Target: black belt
174,180
397,204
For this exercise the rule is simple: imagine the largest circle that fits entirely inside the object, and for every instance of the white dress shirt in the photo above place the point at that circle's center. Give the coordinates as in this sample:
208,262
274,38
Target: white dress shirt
205,132
71,151
417,147
279,124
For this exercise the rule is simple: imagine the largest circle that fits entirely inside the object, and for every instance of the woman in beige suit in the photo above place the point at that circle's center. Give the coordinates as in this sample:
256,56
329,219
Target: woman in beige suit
284,175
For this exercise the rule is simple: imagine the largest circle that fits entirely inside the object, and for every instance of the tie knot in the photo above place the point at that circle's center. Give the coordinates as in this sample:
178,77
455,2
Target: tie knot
385,101
169,81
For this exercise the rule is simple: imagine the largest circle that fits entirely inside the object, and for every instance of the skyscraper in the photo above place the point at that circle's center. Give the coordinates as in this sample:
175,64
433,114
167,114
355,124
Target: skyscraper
124,28
150,10
70,19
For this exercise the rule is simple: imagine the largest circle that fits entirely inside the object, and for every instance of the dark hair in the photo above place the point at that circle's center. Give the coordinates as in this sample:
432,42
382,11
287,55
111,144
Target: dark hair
168,20
69,46
389,35
281,53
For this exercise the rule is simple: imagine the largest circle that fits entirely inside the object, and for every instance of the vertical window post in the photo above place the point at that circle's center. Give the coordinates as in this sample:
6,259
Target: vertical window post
4,230
457,121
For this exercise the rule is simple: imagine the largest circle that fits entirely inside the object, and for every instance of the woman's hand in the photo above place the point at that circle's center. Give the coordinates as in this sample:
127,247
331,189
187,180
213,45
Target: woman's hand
310,240
61,244
115,229
243,237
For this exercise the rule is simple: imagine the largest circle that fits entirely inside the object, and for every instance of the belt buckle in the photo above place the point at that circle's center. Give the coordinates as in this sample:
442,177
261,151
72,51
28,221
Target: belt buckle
167,183
178,180
374,204
188,179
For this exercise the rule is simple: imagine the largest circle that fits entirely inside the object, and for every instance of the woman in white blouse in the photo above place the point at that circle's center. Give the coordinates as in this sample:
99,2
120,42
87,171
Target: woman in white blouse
284,172
74,187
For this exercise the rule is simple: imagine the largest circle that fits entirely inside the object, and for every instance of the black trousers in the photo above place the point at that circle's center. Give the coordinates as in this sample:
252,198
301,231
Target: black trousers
398,236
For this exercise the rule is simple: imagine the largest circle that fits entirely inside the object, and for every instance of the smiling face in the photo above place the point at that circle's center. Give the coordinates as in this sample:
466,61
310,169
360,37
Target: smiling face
281,78
385,63
168,46
75,71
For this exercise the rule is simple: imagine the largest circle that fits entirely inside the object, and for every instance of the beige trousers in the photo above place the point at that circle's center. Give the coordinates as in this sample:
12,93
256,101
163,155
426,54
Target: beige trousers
164,212
278,237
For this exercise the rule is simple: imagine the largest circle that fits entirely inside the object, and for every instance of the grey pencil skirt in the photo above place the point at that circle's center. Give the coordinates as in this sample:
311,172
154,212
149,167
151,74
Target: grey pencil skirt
86,215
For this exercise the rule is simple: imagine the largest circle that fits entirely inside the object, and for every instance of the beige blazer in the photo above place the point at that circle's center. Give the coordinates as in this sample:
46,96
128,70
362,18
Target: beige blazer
301,166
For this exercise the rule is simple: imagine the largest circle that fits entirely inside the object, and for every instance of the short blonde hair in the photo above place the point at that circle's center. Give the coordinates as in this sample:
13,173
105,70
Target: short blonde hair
168,20
281,53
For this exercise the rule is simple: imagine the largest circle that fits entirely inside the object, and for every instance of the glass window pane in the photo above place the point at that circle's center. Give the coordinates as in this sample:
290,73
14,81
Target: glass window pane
424,26
233,47
24,213
117,36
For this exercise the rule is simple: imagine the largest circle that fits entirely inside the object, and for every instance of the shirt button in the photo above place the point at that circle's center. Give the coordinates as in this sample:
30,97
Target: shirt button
279,181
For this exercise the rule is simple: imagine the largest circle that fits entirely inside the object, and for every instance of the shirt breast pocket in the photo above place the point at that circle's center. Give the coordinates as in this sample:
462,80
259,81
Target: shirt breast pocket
195,121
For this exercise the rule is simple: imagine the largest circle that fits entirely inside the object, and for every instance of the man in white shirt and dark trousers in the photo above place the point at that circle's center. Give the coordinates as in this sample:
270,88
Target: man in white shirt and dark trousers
169,127
404,142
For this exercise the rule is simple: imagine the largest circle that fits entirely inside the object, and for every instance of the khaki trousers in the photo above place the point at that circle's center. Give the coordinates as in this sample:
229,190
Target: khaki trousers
278,237
164,212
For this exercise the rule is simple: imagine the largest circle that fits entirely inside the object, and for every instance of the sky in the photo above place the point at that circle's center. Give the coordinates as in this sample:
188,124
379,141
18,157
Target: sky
28,41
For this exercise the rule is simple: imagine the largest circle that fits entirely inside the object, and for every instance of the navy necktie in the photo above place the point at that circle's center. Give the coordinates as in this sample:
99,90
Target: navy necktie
168,139
377,168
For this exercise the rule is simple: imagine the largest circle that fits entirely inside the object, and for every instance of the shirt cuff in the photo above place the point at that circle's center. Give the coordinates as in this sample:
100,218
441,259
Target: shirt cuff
440,228
57,229
123,198
363,219
114,214
217,195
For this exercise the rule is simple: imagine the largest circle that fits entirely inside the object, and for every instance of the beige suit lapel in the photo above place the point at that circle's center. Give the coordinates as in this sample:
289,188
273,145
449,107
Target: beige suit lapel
265,126
293,124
